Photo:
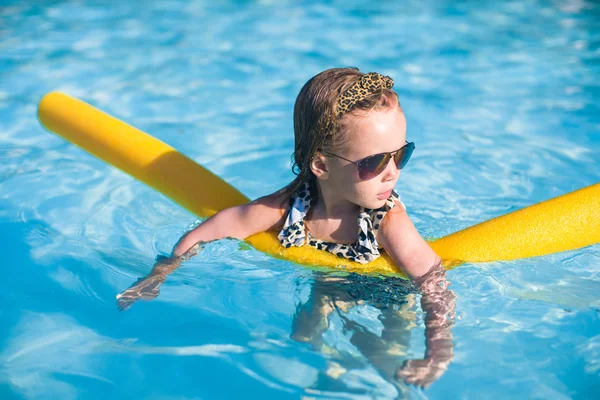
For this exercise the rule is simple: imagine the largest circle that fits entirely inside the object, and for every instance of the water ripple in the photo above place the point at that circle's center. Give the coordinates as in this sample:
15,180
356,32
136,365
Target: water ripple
501,99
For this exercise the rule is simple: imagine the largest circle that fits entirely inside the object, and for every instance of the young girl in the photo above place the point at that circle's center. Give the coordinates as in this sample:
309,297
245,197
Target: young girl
350,146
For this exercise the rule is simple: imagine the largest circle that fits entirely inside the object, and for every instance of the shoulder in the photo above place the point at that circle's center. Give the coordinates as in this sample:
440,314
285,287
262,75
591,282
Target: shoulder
394,221
276,199
271,208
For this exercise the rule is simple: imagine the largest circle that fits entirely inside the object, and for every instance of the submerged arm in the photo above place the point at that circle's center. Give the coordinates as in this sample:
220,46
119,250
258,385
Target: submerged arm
438,303
408,249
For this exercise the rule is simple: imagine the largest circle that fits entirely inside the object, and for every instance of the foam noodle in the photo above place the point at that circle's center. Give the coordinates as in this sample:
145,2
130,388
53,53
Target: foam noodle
564,223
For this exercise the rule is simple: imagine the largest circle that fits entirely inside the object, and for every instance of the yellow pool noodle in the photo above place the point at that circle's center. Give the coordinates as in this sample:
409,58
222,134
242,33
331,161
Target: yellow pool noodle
564,223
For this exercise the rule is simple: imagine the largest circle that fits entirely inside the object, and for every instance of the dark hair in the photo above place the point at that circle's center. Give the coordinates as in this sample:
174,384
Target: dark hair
315,127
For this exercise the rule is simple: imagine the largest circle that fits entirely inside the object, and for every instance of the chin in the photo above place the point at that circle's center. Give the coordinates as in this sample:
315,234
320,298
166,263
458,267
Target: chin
374,204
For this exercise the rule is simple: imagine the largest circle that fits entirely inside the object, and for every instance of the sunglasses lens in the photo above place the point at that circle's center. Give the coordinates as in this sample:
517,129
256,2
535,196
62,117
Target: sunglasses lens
372,166
401,158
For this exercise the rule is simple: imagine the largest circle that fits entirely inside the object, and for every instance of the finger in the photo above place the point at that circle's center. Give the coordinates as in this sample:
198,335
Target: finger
412,380
126,301
128,296
125,294
404,373
123,305
133,293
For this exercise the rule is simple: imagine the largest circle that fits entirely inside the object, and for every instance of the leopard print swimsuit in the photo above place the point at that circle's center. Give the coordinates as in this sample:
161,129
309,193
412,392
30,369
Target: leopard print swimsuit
364,250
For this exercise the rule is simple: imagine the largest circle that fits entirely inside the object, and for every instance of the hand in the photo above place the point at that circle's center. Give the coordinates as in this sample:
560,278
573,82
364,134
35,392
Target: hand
144,289
421,372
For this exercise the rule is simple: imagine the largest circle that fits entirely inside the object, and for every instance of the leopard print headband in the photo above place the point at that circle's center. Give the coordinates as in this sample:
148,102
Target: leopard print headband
367,84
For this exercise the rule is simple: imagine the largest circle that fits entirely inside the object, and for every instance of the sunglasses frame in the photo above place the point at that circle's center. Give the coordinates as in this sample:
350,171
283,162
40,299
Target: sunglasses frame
386,154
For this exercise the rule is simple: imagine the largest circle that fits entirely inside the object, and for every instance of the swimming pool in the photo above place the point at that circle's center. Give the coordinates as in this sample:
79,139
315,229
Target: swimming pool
500,99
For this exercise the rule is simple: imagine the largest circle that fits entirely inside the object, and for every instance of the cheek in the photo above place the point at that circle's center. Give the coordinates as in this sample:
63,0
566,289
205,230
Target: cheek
367,189
345,176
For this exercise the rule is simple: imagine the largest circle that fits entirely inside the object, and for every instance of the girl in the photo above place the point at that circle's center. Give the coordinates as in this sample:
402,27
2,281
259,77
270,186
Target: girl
350,146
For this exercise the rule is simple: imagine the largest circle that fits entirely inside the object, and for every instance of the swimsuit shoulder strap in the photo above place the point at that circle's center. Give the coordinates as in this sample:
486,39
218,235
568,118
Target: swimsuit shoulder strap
293,232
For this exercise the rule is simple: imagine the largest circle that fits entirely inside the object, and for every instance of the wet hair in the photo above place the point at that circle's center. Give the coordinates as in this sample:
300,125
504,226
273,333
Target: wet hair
315,125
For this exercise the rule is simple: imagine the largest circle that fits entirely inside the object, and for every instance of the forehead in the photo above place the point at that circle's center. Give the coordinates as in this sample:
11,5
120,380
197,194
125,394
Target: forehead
375,131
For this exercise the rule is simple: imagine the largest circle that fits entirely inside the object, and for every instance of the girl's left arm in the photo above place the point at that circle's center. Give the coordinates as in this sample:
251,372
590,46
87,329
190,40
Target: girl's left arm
404,244
408,249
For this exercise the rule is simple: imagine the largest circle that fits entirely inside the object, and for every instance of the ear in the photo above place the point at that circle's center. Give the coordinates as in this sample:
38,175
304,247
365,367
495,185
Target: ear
319,166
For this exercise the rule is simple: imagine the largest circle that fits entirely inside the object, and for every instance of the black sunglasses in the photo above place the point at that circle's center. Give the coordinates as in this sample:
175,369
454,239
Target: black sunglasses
371,166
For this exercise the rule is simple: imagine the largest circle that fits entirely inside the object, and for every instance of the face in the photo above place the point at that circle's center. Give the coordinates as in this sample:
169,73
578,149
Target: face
365,133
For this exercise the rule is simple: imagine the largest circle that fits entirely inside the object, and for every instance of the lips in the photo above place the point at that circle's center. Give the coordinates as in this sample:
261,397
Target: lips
384,195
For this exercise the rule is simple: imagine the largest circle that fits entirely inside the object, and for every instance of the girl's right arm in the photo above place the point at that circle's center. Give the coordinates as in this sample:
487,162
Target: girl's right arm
263,214
239,222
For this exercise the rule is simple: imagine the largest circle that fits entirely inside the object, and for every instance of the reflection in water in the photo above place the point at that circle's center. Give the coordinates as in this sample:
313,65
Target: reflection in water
334,296
47,351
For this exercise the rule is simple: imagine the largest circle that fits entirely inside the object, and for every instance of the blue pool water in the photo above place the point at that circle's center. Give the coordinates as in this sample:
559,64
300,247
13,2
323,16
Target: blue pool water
501,99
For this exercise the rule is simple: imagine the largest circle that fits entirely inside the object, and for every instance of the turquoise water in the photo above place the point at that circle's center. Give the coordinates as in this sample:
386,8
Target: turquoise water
501,100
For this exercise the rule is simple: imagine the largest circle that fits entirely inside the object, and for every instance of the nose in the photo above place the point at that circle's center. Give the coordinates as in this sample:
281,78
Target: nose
391,172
